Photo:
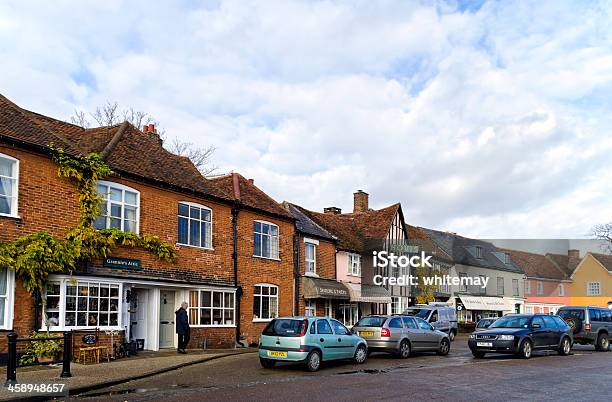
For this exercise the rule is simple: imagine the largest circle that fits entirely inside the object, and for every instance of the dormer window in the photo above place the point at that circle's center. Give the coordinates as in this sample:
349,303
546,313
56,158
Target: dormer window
478,252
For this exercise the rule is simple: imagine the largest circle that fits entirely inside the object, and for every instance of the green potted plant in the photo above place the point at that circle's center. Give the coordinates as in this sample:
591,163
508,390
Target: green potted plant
42,351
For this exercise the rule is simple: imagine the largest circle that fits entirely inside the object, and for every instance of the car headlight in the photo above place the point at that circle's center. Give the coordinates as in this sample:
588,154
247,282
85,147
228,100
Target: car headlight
506,337
472,336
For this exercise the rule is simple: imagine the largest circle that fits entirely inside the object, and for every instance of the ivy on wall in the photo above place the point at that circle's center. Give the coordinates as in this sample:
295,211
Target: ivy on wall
35,256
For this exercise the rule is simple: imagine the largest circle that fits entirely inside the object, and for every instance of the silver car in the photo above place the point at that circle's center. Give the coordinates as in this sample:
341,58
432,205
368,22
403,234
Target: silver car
401,335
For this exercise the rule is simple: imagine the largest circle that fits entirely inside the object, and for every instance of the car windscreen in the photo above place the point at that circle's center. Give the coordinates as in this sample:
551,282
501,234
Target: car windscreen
418,312
511,322
284,327
565,314
371,322
484,323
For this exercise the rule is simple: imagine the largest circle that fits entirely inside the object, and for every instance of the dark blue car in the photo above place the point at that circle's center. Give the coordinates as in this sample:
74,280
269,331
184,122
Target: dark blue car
521,334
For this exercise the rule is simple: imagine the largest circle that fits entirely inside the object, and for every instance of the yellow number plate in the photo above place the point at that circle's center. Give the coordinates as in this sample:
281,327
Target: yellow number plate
274,353
366,333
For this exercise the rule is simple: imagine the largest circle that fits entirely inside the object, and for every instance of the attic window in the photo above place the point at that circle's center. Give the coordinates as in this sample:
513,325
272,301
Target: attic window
506,258
478,252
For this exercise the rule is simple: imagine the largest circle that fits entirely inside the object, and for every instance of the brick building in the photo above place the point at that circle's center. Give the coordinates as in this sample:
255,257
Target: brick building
234,243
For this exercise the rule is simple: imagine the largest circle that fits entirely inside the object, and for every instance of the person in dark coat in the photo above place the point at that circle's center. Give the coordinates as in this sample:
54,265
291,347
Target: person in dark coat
182,327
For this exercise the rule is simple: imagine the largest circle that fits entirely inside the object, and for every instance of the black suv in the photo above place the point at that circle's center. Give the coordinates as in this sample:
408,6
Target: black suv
590,325
521,334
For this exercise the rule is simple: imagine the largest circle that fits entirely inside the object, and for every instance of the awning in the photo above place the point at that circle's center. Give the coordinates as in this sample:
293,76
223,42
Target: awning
484,303
368,293
317,288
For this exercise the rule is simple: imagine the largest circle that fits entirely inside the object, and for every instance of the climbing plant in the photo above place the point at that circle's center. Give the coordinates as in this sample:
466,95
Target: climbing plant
35,256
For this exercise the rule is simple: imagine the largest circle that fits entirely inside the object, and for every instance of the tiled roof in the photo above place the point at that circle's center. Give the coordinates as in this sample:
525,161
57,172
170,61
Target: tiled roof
604,259
418,237
354,230
306,225
564,262
238,188
536,265
127,150
463,251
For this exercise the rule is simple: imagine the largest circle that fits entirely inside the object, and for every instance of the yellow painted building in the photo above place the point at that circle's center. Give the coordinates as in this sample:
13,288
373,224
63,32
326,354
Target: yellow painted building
592,281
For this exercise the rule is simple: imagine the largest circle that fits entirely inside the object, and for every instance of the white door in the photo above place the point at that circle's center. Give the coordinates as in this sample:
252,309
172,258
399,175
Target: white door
138,316
166,319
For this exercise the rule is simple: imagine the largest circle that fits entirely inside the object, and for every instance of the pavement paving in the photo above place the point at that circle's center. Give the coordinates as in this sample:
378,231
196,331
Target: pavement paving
584,375
94,376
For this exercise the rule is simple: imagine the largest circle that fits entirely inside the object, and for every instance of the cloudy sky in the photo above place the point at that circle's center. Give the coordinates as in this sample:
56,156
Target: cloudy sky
490,119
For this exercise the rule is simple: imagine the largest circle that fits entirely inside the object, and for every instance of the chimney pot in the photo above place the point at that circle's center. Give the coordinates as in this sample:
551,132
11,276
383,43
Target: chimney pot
152,128
145,128
332,210
573,253
252,181
360,201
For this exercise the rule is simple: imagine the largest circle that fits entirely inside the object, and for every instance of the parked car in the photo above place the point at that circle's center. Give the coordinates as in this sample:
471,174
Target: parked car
401,335
521,334
485,323
310,340
590,325
441,316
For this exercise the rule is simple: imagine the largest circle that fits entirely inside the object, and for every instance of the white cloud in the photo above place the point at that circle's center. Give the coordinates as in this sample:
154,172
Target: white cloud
491,122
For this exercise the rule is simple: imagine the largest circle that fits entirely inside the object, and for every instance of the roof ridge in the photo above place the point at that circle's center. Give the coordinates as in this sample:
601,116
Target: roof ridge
114,141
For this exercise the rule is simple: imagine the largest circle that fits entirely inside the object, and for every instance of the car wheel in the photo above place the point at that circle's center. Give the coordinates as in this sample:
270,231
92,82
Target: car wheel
566,347
444,347
313,361
526,349
267,363
404,349
361,354
603,343
477,354
452,335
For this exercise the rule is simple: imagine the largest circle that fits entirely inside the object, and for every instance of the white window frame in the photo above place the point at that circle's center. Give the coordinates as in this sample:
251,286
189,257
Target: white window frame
353,314
276,240
64,282
561,290
14,205
463,287
516,290
590,288
329,310
354,264
189,204
197,308
478,252
528,286
261,296
310,262
9,300
396,305
539,288
310,308
503,286
123,188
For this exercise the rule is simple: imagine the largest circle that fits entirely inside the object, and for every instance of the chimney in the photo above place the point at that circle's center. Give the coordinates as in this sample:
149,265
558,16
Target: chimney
252,181
360,201
573,253
332,210
152,128
145,128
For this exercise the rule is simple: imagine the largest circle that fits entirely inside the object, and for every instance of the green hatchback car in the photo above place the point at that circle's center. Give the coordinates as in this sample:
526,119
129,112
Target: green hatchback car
310,340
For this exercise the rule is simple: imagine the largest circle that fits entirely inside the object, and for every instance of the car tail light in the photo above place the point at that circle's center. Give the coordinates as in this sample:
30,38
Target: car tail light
304,327
587,327
385,332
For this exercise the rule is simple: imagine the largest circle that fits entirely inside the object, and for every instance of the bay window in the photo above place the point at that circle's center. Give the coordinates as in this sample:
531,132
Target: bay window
211,308
194,225
119,209
265,302
9,185
265,240
82,304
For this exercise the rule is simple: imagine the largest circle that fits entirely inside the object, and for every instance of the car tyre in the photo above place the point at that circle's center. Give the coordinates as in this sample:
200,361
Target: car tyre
444,347
477,354
566,347
451,335
404,349
526,349
361,354
313,361
603,343
267,363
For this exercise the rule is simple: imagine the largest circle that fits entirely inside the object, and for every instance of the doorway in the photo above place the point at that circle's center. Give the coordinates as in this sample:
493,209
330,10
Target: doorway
166,319
139,306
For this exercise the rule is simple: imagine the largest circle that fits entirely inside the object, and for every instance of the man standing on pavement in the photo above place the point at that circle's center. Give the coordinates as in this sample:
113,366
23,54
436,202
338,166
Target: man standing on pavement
182,327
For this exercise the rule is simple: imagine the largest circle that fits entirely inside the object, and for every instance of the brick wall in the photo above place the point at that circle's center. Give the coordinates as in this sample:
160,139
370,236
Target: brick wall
216,338
325,268
252,270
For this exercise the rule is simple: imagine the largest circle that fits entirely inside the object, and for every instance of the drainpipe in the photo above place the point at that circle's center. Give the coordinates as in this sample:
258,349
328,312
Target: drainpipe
296,275
235,211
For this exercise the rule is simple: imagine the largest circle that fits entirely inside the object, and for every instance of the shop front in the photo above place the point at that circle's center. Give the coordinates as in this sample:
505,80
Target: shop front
472,308
365,299
323,297
140,310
